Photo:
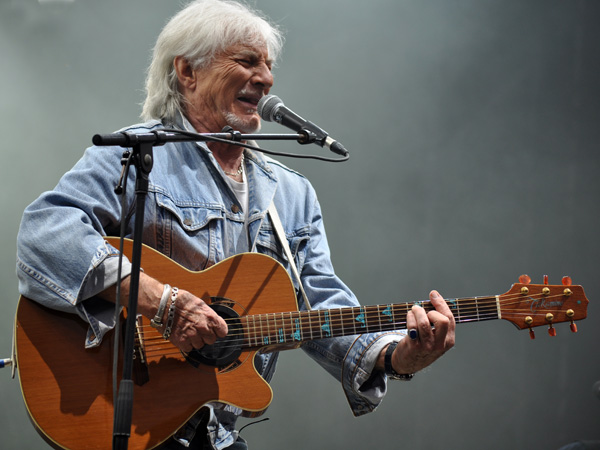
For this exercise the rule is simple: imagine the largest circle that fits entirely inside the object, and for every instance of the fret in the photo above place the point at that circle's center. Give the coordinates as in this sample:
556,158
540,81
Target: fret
246,331
256,334
315,323
269,337
348,321
361,318
457,310
470,311
274,328
264,329
336,322
262,335
290,327
332,322
387,315
481,308
400,321
379,317
488,308
281,331
296,334
315,319
453,305
325,323
310,326
373,319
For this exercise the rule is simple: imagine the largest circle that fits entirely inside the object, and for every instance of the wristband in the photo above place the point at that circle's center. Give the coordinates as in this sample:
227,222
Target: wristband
157,321
171,315
387,364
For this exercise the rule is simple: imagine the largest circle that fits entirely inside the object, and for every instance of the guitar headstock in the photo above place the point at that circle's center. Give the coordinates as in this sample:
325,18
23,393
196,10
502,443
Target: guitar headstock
532,305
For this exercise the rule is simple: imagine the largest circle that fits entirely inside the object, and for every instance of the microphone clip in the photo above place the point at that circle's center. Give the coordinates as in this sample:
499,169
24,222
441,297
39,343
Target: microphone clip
236,136
306,136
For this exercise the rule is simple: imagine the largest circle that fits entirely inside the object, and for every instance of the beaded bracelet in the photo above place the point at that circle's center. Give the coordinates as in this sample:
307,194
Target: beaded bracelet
157,321
171,315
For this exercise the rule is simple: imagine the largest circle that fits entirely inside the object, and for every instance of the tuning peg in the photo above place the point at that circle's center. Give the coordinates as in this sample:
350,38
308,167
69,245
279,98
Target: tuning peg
524,279
545,279
570,315
529,321
551,329
566,281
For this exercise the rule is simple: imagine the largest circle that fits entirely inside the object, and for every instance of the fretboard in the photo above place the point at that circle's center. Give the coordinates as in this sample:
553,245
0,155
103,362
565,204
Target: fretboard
298,326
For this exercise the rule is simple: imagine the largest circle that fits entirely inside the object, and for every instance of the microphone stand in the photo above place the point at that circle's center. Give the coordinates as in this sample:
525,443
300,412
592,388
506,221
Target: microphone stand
142,145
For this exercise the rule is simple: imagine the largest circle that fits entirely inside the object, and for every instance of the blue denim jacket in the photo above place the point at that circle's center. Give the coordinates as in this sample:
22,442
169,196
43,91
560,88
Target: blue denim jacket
63,260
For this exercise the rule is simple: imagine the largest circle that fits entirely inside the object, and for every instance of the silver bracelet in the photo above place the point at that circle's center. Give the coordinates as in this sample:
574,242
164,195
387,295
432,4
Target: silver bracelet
157,321
171,315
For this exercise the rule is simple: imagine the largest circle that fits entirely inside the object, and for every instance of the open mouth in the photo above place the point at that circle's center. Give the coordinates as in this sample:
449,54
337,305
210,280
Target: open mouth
251,101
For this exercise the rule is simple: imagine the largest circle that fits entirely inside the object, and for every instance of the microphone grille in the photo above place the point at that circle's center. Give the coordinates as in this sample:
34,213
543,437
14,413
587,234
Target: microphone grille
267,107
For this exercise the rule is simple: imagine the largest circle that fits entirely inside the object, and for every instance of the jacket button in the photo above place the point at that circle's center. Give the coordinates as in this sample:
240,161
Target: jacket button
235,209
187,222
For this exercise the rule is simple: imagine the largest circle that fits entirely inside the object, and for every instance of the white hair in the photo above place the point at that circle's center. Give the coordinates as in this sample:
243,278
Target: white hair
197,33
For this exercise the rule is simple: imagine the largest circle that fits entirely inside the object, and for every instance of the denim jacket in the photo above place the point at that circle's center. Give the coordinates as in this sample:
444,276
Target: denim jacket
63,259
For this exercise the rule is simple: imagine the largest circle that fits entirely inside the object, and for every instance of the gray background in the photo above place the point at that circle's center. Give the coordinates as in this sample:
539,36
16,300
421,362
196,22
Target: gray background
473,131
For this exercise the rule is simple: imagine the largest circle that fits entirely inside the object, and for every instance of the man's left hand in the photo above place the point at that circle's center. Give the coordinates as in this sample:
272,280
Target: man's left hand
434,336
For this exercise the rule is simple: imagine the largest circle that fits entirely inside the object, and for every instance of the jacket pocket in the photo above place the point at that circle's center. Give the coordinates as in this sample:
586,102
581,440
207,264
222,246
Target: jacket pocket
268,244
196,225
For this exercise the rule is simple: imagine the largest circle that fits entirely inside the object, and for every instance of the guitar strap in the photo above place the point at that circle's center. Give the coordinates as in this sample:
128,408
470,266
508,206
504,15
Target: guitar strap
276,221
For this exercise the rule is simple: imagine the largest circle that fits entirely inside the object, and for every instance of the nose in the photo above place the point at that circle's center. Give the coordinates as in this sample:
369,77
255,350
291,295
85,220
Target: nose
263,77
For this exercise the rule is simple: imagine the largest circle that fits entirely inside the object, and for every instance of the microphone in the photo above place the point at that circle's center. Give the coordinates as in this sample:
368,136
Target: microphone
271,109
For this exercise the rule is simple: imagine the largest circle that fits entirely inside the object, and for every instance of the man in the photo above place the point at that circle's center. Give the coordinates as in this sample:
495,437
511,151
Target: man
212,64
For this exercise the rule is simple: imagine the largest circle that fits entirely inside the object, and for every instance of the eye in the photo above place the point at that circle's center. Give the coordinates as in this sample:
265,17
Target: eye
245,62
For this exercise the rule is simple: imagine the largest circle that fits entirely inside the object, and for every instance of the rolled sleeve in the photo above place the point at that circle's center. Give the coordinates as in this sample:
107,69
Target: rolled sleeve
103,273
365,389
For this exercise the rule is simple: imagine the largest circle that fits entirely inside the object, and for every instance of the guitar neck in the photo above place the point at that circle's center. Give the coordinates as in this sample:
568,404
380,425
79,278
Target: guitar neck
294,327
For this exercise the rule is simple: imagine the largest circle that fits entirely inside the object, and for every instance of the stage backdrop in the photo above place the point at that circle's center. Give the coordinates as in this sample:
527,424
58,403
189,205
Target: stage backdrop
473,132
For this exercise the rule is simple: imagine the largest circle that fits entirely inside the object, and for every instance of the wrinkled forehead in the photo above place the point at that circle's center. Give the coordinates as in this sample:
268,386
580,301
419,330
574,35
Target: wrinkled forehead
253,51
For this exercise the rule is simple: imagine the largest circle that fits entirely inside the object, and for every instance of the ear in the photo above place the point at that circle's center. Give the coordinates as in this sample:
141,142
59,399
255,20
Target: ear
185,73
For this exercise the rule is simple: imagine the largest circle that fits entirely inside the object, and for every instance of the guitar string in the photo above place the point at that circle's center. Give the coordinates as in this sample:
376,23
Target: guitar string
249,336
468,312
465,314
342,314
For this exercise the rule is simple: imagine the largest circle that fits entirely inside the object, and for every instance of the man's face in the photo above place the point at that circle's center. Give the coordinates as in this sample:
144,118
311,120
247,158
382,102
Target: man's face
228,90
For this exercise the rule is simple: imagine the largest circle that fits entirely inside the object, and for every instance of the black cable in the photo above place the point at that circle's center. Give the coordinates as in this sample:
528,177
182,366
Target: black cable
203,137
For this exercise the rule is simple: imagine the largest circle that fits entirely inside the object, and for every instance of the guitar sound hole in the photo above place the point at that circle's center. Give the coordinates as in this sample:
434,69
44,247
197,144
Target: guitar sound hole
226,350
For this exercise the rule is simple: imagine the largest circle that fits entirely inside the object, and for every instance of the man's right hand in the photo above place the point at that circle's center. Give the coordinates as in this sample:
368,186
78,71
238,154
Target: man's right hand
195,324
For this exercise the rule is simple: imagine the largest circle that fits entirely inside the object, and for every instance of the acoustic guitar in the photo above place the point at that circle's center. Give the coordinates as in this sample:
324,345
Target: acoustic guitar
68,390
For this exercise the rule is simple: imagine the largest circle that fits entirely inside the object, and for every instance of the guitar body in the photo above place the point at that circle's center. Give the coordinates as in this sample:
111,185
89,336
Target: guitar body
68,389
